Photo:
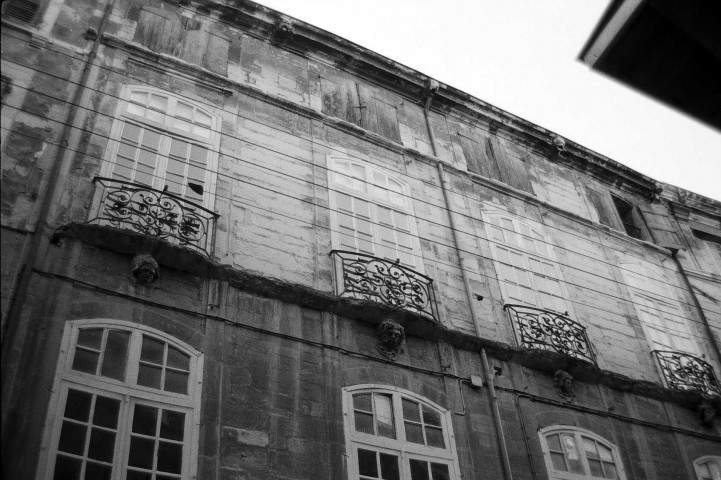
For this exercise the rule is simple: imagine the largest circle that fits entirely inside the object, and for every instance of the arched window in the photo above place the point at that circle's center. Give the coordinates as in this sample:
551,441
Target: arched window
392,434
125,404
577,454
526,265
165,141
708,468
371,213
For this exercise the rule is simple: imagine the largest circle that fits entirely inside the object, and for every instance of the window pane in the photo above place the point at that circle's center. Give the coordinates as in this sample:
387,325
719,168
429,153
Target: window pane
389,467
90,337
590,447
431,417
177,359
595,467
116,355
553,442
102,444
178,148
142,451
77,405
149,376
158,103
419,470
170,457
172,425
440,471
367,463
572,455
138,475
414,433
72,438
362,402
434,437
106,412
145,420
559,464
67,468
95,471
176,382
384,416
183,110
151,140
364,422
385,215
610,470
152,350
136,110
411,411
139,97
605,453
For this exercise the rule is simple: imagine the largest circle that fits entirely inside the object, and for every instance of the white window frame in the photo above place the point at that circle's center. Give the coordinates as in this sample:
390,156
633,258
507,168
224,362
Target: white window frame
577,433
399,446
651,297
167,132
128,391
705,460
405,207
548,256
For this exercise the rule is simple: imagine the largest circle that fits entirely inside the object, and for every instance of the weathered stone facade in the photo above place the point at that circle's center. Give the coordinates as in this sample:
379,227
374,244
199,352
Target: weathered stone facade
281,119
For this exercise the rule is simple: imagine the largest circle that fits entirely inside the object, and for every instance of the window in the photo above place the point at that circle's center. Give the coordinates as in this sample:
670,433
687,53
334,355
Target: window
526,265
576,454
125,405
22,10
371,213
708,468
165,142
392,434
629,218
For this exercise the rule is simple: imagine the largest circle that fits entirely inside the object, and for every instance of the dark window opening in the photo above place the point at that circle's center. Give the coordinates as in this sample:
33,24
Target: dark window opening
708,237
628,218
21,10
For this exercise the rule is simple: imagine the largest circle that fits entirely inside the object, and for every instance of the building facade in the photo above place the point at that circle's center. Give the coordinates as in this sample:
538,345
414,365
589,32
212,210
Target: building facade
237,246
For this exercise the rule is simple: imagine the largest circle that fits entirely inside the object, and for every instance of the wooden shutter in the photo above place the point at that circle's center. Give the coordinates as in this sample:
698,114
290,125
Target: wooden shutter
22,10
159,30
340,99
664,230
478,158
601,201
379,115
513,170
216,55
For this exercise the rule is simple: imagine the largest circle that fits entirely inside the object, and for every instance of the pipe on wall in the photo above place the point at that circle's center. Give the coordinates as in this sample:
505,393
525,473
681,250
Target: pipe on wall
496,414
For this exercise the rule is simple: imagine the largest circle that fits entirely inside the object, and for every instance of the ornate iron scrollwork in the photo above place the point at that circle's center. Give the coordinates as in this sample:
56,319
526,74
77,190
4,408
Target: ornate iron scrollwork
683,371
544,330
370,278
156,213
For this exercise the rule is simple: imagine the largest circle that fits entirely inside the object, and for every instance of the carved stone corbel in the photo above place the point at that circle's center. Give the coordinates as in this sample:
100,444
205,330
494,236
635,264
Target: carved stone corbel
390,338
144,269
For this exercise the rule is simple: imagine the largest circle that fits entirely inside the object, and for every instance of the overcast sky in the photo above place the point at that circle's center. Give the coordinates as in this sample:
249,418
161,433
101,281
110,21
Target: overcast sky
521,56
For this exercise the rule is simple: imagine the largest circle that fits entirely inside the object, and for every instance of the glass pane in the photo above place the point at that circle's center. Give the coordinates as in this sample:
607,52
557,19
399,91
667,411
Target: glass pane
136,109
411,411
595,467
176,382
183,110
142,451
367,465
440,471
389,467
203,118
384,416
67,468
116,355
172,425
149,376
364,422
605,453
145,420
139,97
106,412
434,437
387,235
363,226
431,417
158,103
610,470
72,438
559,464
178,148
362,402
151,140
138,475
78,405
183,125
345,202
102,444
385,215
553,442
414,433
152,350
154,116
419,470
589,446
95,471
199,155
90,337
170,457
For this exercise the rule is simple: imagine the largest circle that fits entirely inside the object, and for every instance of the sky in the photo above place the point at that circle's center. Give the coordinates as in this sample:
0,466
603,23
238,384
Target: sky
522,56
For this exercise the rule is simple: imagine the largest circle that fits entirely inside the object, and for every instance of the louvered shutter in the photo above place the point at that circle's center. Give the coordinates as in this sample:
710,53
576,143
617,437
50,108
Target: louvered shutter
664,230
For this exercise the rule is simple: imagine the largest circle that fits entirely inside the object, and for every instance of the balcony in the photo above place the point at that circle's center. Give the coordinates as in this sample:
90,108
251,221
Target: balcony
683,371
366,277
544,330
155,213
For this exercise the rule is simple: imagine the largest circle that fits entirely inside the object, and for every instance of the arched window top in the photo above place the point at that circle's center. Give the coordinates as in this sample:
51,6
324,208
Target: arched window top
518,233
370,181
573,453
708,467
393,433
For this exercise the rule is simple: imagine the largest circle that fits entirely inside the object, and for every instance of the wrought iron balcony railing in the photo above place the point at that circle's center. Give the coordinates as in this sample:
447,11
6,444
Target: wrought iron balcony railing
153,212
370,278
544,330
683,371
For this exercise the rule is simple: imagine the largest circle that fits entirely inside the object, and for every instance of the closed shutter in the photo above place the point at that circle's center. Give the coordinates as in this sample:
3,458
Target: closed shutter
216,55
340,99
601,201
23,11
513,170
478,158
664,230
159,30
